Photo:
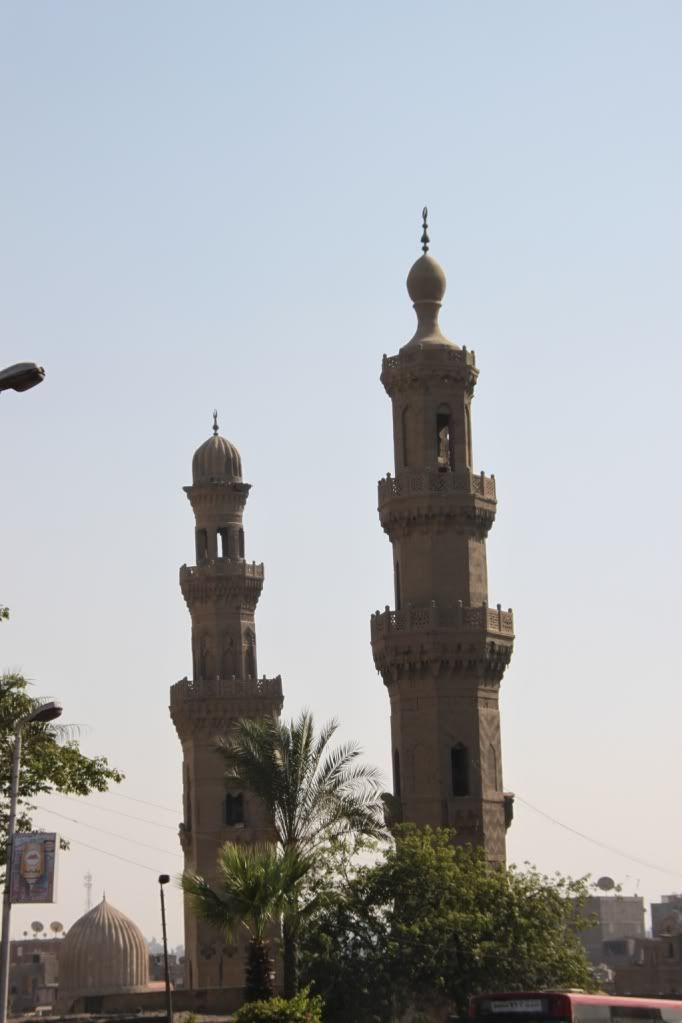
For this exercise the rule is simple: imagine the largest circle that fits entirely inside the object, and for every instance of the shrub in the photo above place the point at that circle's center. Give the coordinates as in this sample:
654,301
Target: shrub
302,1008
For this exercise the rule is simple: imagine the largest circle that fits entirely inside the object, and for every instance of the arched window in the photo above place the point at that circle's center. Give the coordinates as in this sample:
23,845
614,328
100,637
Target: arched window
396,773
397,586
467,416
493,780
459,767
223,543
444,457
405,432
251,655
234,809
201,545
241,543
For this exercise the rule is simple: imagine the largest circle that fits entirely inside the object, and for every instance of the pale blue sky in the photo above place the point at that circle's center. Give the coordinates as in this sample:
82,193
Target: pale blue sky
216,205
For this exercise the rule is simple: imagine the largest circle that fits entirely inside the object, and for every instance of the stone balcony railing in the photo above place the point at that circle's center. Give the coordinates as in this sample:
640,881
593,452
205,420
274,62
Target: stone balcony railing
224,567
429,353
430,483
426,619
225,688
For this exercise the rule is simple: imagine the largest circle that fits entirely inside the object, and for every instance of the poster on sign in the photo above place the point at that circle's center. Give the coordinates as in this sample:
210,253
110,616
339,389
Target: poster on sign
33,867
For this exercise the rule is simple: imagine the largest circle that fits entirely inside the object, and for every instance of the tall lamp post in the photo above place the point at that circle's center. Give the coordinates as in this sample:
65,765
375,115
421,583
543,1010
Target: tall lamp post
45,712
164,879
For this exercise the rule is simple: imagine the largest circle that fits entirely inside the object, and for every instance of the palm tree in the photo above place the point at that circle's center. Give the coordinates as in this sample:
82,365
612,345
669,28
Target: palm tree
314,795
255,881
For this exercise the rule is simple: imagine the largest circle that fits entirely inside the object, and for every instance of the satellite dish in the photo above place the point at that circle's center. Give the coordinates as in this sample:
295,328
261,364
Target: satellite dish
37,927
606,884
56,927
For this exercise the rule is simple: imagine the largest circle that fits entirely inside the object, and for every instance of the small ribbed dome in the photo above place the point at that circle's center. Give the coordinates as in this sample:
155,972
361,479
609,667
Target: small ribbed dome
103,952
216,461
426,280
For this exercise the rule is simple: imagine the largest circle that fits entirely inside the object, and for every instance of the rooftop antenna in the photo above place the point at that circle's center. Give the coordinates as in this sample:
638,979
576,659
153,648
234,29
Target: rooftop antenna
87,884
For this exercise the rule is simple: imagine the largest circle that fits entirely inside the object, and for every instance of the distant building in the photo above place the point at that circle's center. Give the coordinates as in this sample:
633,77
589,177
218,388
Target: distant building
176,969
666,915
618,917
654,969
33,974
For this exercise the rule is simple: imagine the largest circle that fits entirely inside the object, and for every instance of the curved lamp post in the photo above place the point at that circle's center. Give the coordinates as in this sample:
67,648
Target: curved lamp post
164,879
45,712
21,376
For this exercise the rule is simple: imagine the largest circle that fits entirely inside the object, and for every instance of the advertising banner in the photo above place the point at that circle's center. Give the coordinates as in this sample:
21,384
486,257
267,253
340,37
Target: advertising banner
33,867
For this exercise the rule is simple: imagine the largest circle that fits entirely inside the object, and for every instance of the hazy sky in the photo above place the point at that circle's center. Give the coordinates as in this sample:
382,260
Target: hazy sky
216,205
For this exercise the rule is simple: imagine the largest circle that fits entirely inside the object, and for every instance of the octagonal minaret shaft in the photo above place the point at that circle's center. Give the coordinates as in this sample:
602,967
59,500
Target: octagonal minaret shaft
221,592
442,651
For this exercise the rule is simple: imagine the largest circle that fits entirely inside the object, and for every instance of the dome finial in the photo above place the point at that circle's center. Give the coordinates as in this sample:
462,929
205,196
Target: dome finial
215,422
425,233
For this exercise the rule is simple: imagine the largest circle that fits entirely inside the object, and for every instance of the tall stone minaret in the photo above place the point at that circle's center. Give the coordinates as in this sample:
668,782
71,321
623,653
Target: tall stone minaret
221,592
442,651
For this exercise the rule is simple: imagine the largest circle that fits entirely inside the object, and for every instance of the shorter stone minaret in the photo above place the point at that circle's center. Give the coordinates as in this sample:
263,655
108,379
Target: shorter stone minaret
221,592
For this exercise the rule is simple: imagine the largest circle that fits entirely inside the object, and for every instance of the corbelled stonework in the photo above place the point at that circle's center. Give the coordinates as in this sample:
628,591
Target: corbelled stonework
442,651
221,592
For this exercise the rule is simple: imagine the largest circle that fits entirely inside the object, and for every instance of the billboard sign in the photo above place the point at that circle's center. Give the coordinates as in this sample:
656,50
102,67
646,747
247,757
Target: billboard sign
33,867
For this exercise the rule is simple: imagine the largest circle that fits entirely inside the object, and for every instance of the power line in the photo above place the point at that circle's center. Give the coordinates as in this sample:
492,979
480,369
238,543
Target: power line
119,813
114,834
145,802
106,852
595,841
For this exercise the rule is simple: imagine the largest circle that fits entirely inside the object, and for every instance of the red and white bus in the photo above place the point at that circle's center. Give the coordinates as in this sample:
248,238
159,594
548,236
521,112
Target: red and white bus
571,1007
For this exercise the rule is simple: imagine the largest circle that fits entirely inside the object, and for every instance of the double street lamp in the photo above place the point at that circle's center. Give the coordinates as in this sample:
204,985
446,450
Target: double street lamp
43,713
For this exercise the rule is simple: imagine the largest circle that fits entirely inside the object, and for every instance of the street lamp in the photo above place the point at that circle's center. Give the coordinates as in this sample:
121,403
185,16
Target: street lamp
164,879
21,376
45,712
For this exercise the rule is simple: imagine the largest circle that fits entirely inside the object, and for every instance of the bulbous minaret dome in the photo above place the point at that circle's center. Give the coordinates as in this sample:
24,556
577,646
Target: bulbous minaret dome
216,460
426,286
103,952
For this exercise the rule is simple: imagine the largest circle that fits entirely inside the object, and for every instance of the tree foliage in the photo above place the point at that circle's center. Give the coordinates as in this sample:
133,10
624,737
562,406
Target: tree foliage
48,763
255,882
302,1008
315,794
431,921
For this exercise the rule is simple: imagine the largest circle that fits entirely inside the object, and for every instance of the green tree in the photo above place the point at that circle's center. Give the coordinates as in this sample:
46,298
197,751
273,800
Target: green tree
316,795
48,763
255,882
433,922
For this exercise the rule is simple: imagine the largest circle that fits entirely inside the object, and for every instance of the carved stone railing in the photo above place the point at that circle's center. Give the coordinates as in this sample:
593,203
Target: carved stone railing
450,352
224,567
426,619
434,483
225,688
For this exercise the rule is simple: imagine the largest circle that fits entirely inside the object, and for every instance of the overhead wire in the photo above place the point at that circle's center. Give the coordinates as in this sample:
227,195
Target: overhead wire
119,813
104,831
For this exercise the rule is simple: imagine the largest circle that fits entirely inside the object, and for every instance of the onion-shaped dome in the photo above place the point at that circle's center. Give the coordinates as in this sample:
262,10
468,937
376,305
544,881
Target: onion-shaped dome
426,287
216,461
104,952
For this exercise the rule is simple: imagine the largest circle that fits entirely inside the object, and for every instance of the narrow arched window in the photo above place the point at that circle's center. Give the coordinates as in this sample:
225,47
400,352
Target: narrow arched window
397,586
396,773
241,543
405,433
234,809
459,767
493,779
223,543
444,458
201,545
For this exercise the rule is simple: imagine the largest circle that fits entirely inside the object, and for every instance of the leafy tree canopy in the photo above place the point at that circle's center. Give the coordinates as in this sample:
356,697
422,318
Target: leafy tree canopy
48,764
432,922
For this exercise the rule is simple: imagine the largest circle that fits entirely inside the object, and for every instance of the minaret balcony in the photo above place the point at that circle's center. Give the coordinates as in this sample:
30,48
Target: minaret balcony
415,498
474,641
222,579
226,689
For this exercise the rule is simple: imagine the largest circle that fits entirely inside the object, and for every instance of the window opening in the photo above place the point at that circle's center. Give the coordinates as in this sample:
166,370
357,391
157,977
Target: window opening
241,543
234,809
202,545
443,438
223,544
460,770
396,773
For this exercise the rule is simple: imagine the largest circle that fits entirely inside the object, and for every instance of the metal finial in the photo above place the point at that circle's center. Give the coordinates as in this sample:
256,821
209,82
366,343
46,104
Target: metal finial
215,422
425,233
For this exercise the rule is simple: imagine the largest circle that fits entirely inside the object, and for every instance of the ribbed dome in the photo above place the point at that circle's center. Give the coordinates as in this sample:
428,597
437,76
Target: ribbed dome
216,461
104,952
